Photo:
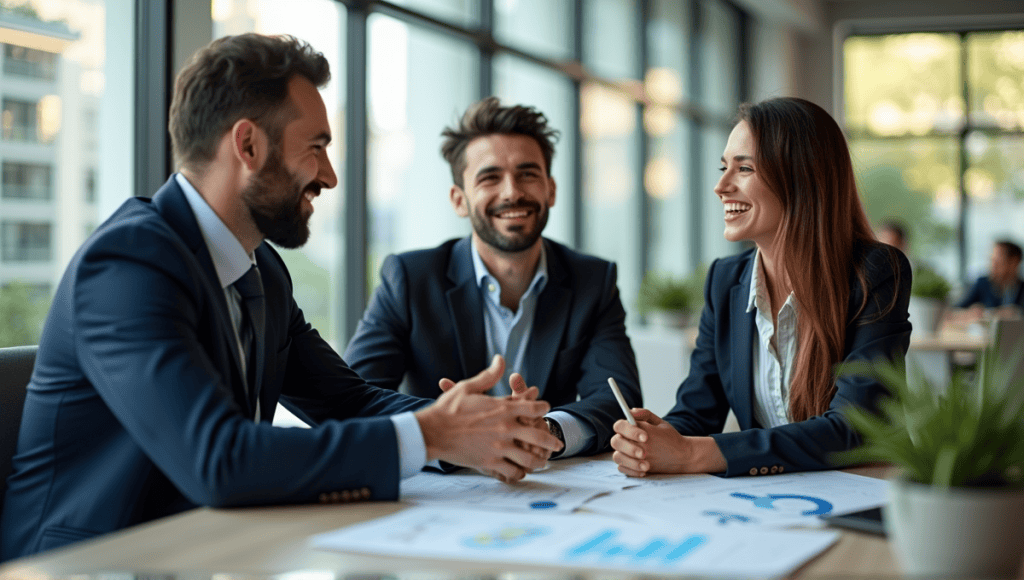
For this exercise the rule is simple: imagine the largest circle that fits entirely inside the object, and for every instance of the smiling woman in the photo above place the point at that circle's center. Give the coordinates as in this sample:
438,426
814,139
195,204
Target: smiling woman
817,290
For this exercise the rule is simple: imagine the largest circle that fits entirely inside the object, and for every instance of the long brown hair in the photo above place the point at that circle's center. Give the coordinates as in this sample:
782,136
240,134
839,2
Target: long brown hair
804,161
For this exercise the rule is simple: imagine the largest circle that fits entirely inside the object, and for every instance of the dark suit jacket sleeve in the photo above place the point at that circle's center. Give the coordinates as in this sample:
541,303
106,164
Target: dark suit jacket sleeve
136,310
607,353
380,349
805,445
975,295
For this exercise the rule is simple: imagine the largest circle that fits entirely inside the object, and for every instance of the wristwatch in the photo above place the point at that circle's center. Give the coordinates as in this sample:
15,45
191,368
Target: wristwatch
555,429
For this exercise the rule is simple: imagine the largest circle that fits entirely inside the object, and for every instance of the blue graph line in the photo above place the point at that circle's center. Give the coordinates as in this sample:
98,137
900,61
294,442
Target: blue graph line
724,518
767,501
603,547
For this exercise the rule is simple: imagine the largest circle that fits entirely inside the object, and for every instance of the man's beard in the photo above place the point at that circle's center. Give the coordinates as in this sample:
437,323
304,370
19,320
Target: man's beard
274,198
517,241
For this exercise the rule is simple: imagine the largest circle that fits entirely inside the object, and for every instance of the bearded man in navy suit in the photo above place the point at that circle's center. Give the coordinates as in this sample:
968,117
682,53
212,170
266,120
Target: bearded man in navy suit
173,335
553,313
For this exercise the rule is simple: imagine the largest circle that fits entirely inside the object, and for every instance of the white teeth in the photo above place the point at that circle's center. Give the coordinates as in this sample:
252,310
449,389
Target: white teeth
309,197
732,207
513,214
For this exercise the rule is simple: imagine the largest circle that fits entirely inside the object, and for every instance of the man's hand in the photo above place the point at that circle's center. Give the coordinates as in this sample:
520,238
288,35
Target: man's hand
466,427
522,393
654,446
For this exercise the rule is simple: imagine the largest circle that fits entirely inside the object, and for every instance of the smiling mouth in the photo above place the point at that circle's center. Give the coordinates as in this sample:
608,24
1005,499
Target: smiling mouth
734,209
512,214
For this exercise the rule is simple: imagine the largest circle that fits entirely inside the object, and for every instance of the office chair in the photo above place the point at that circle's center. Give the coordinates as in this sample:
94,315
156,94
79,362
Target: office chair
16,364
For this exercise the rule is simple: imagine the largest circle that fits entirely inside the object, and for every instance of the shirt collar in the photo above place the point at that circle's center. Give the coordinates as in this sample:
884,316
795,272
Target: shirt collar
229,257
758,298
540,277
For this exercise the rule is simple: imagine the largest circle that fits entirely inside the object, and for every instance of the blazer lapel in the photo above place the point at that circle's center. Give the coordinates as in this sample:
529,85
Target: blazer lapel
742,378
549,321
171,204
465,309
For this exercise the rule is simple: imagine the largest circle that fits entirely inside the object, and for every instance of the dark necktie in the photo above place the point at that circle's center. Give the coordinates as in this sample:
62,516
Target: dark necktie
251,329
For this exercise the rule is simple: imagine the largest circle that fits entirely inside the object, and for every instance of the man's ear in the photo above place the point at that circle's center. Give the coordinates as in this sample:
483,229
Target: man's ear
554,189
249,144
459,201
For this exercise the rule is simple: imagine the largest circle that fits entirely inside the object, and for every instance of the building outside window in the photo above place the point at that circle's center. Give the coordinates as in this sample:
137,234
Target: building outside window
29,62
25,241
26,181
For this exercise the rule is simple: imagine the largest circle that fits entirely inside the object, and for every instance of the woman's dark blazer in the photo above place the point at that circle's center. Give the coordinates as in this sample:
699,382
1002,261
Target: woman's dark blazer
721,373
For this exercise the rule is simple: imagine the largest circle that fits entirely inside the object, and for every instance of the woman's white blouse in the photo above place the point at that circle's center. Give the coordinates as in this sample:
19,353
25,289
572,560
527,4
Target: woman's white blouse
774,352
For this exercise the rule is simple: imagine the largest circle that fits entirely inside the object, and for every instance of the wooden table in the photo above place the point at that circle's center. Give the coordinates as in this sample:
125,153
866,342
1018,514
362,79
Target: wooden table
236,544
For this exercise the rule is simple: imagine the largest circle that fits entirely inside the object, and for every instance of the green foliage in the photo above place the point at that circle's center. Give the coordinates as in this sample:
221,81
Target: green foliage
970,435
21,315
929,284
663,292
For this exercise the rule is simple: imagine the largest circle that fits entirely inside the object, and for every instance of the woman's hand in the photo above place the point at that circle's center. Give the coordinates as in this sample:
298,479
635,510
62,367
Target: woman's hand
654,446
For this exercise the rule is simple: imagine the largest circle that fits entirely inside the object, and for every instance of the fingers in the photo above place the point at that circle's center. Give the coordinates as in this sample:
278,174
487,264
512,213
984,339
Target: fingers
517,382
630,465
645,415
537,437
631,432
446,385
485,379
628,448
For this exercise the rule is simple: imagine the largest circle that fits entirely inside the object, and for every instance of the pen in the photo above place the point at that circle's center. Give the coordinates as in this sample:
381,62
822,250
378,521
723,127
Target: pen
622,402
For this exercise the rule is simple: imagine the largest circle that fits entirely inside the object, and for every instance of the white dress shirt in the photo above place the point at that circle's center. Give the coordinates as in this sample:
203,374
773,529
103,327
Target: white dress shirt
773,352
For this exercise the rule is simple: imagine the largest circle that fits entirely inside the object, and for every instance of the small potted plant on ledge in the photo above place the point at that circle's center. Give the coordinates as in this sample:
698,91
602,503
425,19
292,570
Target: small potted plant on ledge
928,293
671,302
956,505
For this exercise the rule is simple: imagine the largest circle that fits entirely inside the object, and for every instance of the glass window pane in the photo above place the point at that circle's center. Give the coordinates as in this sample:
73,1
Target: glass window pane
54,87
668,44
611,140
996,68
719,59
541,27
916,181
610,43
316,268
521,82
419,83
669,187
459,11
995,186
905,84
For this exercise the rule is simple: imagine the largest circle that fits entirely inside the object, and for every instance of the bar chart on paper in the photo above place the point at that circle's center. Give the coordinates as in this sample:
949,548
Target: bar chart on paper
579,541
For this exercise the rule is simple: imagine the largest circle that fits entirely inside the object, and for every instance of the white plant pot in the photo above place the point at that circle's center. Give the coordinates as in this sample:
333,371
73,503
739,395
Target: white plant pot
926,314
960,532
669,318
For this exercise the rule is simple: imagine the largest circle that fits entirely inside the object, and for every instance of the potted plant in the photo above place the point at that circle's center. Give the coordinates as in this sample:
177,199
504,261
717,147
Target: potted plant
956,505
928,293
671,302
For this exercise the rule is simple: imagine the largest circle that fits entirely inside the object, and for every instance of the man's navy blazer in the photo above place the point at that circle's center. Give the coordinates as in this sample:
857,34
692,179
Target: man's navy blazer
136,408
984,293
425,322
721,370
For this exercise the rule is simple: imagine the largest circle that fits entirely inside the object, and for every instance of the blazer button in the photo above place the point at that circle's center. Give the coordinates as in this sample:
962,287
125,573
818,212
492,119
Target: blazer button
324,498
335,497
781,468
346,496
753,471
764,471
775,469
365,493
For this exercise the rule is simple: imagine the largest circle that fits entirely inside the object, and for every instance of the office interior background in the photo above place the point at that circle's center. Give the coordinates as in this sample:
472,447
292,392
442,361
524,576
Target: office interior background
930,93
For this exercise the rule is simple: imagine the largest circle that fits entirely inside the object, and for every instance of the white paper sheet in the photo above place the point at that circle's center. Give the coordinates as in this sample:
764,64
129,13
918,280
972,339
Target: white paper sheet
603,472
579,541
776,500
472,489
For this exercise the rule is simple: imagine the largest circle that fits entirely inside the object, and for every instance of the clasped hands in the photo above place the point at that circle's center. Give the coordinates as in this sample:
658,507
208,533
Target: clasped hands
654,446
505,437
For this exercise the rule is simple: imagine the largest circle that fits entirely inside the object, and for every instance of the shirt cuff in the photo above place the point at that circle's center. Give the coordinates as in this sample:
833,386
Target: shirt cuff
412,450
578,435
